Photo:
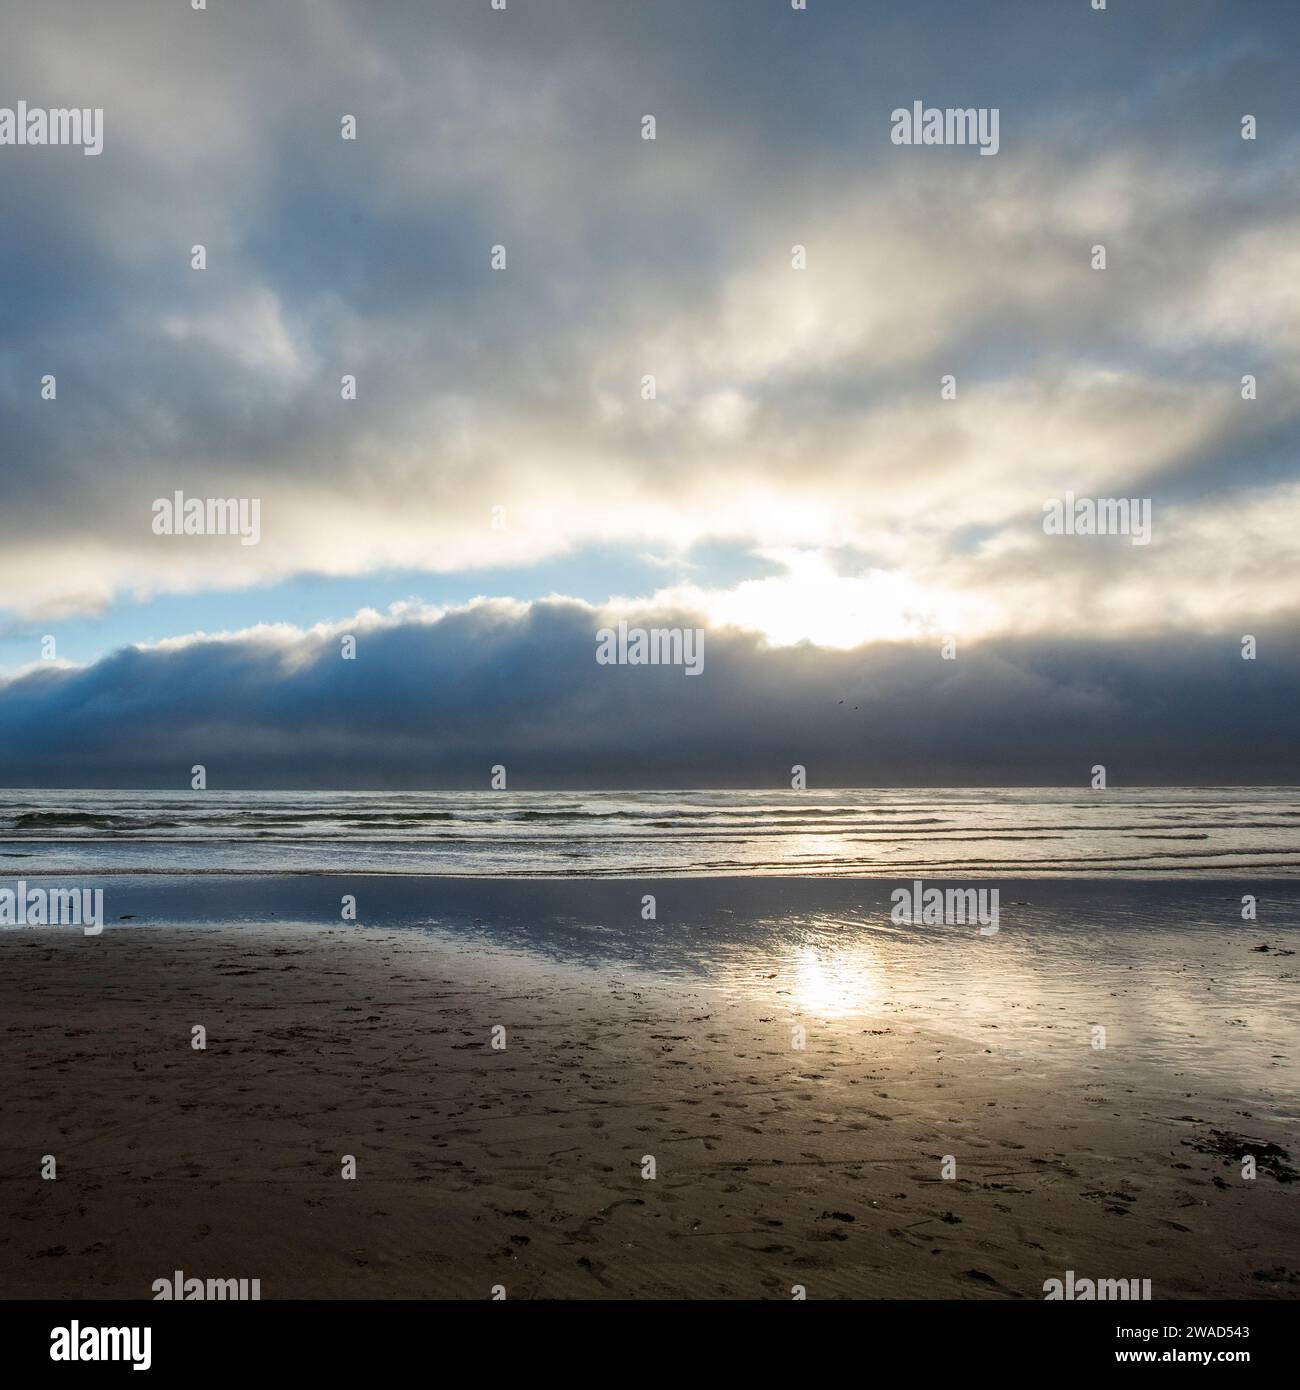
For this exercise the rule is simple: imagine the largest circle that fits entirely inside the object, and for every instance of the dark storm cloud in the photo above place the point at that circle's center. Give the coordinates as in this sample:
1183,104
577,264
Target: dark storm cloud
436,703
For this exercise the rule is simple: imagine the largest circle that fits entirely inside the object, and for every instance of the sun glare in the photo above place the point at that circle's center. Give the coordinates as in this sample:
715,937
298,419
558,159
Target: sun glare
811,602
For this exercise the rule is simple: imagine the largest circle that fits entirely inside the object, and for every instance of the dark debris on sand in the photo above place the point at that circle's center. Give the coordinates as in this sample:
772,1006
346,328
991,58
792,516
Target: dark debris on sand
1232,1148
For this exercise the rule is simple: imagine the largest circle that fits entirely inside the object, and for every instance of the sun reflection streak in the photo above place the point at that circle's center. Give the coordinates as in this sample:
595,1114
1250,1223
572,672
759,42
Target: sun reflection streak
835,984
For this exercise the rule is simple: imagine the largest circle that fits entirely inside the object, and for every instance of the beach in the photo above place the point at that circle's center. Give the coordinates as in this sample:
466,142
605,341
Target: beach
520,1169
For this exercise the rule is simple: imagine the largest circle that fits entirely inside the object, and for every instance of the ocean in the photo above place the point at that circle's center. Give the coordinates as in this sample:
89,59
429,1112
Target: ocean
1157,833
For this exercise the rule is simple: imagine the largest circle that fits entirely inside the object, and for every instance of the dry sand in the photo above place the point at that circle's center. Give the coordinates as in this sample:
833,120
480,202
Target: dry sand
475,1167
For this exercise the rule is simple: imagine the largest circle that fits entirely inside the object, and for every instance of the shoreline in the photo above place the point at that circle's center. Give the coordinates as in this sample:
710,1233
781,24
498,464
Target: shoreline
523,1167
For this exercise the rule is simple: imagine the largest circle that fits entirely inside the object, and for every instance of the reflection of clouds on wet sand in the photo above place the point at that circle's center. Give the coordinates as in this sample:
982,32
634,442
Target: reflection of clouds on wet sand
1198,1003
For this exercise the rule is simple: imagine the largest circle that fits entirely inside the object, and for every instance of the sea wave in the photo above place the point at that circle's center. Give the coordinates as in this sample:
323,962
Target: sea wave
886,832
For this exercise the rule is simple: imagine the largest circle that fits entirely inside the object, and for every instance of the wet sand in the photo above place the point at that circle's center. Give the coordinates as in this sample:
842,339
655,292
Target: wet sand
775,1166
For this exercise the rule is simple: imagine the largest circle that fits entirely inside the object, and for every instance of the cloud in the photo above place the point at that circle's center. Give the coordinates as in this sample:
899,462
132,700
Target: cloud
435,699
795,411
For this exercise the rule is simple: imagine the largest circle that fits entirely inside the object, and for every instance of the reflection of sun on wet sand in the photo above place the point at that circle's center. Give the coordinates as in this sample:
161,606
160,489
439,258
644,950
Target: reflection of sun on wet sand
775,1166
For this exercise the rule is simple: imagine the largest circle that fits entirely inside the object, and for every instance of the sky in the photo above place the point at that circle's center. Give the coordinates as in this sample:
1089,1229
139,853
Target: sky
862,545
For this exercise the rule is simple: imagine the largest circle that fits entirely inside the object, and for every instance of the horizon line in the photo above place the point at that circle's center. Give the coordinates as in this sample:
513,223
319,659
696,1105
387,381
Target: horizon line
580,790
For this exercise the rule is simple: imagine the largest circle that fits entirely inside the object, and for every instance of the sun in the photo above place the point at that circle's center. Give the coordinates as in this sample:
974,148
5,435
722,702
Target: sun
812,602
